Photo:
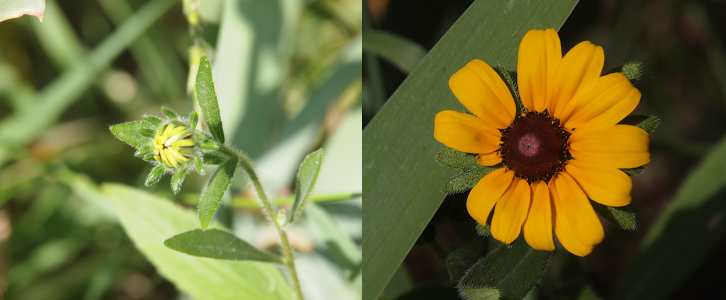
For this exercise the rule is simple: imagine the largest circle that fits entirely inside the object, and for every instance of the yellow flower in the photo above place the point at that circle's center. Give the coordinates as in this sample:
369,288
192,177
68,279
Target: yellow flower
173,145
567,147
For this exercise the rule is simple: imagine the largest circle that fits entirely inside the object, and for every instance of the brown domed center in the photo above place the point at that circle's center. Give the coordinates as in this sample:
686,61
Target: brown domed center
535,146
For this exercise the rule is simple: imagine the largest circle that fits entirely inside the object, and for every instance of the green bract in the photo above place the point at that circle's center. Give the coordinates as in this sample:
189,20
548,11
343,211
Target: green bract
171,143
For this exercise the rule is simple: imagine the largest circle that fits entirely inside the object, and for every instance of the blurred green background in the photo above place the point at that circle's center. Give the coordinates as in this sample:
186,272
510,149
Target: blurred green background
677,250
287,75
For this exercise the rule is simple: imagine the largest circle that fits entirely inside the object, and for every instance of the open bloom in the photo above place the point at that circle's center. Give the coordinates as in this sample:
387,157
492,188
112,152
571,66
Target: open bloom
566,148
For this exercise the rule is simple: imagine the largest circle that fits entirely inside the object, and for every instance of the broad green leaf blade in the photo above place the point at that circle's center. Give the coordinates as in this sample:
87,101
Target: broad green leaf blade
149,221
129,133
208,99
684,234
306,177
10,9
621,216
212,194
399,51
217,244
647,123
513,270
458,159
400,173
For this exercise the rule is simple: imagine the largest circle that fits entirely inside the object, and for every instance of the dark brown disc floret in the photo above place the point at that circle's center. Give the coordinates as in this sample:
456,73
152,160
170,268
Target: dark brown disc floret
534,146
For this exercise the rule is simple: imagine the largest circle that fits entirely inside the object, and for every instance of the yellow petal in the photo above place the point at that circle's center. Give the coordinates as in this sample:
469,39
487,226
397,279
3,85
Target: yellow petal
183,143
583,63
511,211
602,184
489,159
465,133
603,101
480,89
538,226
617,146
539,56
576,225
486,193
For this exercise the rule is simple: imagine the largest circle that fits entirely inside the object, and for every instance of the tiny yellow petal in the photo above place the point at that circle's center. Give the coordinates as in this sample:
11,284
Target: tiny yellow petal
489,159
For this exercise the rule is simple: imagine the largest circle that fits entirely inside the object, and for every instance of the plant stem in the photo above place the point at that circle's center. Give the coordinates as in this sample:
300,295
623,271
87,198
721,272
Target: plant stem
244,162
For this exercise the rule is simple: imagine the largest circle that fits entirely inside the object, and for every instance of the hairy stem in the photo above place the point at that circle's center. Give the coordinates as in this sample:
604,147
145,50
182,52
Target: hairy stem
244,162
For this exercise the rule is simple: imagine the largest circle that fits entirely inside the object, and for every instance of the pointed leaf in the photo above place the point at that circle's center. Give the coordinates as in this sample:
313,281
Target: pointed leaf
168,113
208,145
209,200
621,216
634,171
458,159
483,230
647,123
306,177
218,244
513,270
512,85
149,133
178,178
212,158
193,120
198,165
208,100
153,120
129,133
144,151
466,180
155,174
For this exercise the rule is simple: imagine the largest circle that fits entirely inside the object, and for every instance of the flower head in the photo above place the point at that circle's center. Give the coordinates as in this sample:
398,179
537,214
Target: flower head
565,148
173,145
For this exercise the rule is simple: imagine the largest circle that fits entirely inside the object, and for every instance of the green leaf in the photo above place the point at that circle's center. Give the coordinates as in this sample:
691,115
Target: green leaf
208,99
458,159
149,221
208,145
634,171
10,9
193,120
218,244
210,197
399,51
398,170
149,133
466,180
211,158
306,177
129,133
647,123
483,294
512,85
621,216
632,70
198,165
144,151
178,179
153,120
686,231
513,270
168,113
155,174
483,230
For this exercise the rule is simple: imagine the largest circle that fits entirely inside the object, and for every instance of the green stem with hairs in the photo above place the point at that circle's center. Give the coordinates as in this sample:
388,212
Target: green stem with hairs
244,162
